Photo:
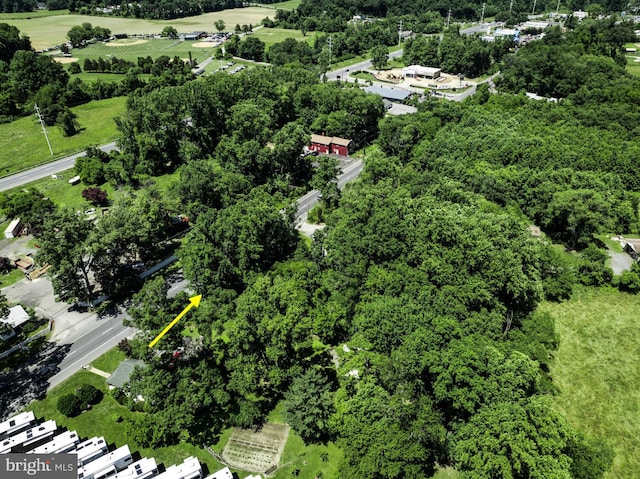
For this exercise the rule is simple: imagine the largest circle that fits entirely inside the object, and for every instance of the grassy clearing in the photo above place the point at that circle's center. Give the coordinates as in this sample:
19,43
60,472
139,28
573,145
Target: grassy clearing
29,15
109,361
100,421
633,68
10,278
64,194
596,370
22,144
289,4
52,30
276,35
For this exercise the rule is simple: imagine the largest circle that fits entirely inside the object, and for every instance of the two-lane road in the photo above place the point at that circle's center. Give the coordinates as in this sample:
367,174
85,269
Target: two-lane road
48,169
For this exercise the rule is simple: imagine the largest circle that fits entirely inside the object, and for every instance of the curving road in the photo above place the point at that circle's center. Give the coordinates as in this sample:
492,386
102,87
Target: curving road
48,169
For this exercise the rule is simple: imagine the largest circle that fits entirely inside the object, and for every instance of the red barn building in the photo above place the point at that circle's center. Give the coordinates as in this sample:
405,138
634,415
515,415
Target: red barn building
326,144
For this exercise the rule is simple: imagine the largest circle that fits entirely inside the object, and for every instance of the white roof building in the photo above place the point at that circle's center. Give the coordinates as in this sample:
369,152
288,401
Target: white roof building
189,469
88,450
17,423
61,443
17,316
28,437
413,71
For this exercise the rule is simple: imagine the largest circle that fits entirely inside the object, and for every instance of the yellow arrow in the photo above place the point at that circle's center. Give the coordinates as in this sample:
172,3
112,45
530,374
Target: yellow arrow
193,301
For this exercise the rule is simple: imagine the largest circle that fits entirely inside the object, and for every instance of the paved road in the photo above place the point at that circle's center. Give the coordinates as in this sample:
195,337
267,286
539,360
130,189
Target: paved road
45,170
308,201
480,28
343,73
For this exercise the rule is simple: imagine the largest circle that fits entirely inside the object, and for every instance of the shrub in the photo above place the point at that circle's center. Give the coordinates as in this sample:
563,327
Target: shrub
69,405
117,418
95,196
89,394
6,264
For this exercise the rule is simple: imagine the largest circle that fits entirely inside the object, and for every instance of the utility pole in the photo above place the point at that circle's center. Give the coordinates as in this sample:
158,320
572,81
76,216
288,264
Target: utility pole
534,8
44,130
557,7
330,43
482,16
400,32
448,18
510,6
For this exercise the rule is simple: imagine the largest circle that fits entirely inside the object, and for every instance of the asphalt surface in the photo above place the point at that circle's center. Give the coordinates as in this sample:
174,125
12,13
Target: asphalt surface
48,169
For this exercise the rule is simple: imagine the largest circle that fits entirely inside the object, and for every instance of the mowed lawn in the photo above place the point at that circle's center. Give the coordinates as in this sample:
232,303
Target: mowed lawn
23,145
132,48
597,370
276,35
52,30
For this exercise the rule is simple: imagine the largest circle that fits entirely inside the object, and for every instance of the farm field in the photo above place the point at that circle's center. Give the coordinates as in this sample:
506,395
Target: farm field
596,370
22,144
52,30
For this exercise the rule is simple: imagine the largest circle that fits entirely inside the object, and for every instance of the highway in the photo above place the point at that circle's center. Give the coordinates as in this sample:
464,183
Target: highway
48,169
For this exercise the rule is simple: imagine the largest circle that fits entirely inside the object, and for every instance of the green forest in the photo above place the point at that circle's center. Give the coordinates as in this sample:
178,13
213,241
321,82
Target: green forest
426,270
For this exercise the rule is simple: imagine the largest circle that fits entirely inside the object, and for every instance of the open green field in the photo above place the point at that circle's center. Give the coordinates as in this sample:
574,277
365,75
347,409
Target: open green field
28,15
288,5
596,370
22,144
132,48
52,30
276,35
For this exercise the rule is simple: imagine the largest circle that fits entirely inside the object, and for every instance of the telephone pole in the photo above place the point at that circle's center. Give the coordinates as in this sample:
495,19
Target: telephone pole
44,130
558,7
510,6
484,5
400,32
448,18
534,8
330,43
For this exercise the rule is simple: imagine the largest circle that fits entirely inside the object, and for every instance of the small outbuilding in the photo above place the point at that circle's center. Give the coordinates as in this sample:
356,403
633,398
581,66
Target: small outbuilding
123,372
14,228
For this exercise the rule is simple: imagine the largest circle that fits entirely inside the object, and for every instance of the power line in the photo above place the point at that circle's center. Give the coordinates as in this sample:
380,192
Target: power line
44,130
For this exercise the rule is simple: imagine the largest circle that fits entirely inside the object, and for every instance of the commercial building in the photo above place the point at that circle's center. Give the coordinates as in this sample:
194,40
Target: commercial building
418,71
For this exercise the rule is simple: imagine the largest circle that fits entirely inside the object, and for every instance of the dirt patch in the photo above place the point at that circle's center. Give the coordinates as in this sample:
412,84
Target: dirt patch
256,451
205,45
65,59
125,43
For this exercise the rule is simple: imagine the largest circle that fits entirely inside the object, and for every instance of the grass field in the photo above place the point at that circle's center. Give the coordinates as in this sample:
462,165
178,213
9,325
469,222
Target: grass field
596,370
22,144
276,35
52,30
29,15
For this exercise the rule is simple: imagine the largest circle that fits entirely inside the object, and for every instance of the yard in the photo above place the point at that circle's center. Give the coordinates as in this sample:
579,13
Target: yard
22,144
596,370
